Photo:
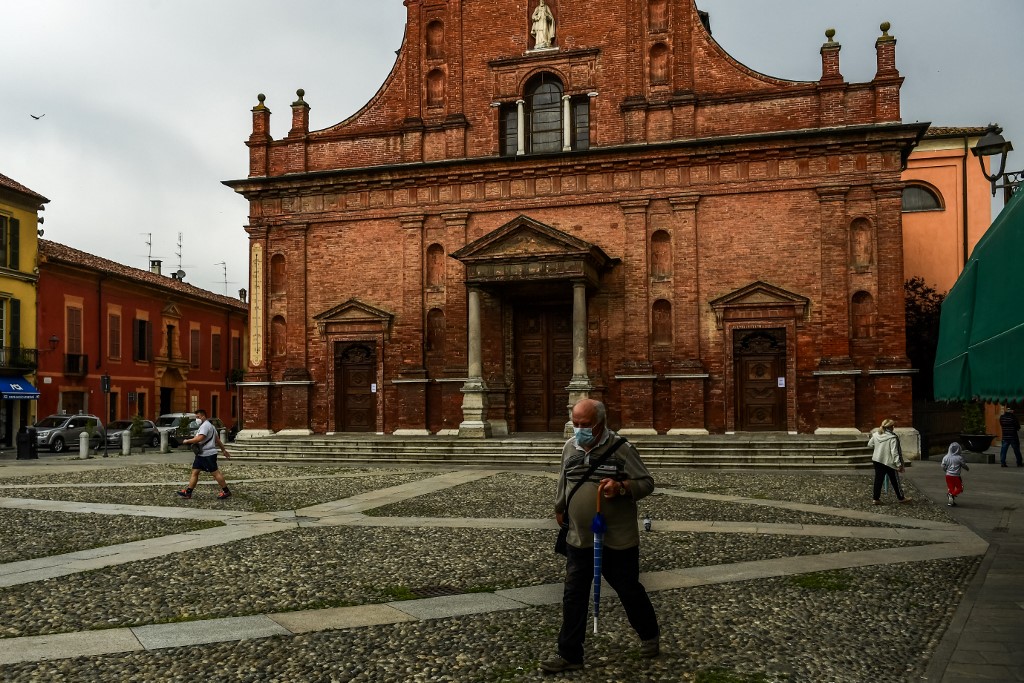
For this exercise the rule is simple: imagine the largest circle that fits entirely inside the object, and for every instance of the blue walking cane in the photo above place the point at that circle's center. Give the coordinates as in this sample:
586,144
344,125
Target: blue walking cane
599,526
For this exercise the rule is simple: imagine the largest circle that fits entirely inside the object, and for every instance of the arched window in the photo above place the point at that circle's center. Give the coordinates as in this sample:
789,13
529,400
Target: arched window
544,126
277,274
661,323
435,40
863,317
435,88
661,254
435,266
921,198
435,332
659,64
278,336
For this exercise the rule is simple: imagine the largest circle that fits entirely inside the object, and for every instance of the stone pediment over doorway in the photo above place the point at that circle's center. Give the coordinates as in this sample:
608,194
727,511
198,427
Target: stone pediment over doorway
526,250
353,316
760,301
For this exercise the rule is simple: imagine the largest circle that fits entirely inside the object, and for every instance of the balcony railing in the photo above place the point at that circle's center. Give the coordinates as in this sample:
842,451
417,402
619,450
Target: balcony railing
76,364
18,358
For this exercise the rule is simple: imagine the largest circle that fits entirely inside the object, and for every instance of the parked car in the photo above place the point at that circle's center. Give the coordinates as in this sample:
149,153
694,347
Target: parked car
172,424
59,432
193,426
148,434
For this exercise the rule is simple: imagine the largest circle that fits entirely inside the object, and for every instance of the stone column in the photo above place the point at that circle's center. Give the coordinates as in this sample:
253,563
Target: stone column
580,385
474,391
520,127
566,124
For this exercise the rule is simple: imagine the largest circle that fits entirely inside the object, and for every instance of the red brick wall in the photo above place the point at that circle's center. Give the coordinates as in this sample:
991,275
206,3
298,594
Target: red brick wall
772,206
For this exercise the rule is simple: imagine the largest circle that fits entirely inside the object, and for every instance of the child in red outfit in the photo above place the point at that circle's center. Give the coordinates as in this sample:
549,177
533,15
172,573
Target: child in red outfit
952,463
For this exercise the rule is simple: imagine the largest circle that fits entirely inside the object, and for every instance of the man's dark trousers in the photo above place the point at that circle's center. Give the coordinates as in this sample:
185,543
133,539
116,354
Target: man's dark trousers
621,569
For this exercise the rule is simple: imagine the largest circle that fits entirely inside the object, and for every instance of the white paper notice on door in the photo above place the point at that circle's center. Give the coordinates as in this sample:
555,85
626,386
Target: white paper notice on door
782,382
373,388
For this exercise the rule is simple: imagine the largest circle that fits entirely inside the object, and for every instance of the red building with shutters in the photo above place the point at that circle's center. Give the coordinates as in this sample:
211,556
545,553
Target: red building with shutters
167,346
597,203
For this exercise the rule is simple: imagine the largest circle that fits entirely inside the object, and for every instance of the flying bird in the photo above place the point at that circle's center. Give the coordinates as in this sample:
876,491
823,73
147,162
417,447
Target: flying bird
37,117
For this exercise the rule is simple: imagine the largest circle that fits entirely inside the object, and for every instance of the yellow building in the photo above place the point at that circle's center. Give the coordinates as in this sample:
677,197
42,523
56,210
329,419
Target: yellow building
19,278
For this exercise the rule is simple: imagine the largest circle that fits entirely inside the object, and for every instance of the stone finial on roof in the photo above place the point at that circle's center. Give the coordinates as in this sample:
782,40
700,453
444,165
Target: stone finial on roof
260,107
300,93
885,37
830,59
830,34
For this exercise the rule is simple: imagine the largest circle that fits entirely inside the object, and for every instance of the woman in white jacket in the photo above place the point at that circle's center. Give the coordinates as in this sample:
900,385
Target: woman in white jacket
887,459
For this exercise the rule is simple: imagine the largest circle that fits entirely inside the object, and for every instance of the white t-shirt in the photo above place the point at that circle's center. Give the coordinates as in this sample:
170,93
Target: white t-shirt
208,432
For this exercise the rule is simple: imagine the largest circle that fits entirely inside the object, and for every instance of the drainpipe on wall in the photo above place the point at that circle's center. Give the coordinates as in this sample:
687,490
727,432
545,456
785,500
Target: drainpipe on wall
963,170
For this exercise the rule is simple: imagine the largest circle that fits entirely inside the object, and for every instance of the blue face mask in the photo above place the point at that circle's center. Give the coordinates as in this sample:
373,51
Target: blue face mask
584,435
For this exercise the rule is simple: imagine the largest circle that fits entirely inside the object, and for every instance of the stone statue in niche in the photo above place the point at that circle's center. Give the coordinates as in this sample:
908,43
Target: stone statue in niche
543,27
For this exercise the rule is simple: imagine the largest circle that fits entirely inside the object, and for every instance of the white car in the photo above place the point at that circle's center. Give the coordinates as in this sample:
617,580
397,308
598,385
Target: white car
172,424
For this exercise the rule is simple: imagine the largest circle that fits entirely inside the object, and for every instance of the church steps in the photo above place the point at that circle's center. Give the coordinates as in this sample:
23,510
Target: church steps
717,451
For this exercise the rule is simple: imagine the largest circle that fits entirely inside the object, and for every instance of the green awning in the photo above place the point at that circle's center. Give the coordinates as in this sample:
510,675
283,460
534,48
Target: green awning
981,329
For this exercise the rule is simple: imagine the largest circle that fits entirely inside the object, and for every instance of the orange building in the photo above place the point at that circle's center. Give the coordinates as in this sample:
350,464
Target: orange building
947,205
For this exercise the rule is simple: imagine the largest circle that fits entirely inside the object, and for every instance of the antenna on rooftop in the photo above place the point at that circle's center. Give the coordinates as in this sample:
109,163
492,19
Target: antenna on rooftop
224,265
149,248
178,253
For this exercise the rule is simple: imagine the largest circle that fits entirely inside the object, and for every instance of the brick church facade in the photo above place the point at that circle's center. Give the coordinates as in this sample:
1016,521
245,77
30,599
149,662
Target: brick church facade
552,199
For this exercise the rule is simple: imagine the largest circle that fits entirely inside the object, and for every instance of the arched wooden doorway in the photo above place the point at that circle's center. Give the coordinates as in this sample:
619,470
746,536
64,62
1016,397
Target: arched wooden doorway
355,397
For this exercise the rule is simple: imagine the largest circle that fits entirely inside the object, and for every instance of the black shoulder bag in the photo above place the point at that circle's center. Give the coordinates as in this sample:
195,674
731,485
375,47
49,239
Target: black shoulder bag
197,448
561,543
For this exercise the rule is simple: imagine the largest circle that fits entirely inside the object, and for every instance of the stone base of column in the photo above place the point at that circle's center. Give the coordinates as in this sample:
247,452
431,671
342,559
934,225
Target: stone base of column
474,411
253,434
839,431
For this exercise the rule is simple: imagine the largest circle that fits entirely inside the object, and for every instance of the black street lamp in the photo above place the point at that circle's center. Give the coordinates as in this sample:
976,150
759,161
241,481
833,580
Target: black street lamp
993,144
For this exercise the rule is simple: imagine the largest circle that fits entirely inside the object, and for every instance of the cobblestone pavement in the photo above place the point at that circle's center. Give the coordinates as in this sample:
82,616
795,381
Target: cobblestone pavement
324,573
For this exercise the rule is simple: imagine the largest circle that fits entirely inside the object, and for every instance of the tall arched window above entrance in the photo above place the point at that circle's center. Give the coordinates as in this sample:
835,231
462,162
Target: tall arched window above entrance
863,316
544,123
435,40
277,282
661,323
435,88
659,64
661,255
435,266
278,336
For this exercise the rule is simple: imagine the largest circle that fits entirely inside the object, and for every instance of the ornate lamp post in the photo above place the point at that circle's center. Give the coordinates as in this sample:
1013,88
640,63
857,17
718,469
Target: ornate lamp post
993,144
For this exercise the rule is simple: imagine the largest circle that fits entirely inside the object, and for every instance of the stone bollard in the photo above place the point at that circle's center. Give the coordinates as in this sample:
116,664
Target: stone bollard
223,436
83,446
126,442
165,442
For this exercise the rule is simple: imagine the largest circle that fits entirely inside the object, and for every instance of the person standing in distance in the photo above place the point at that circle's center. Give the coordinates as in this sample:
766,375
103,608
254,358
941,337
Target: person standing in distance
1009,425
206,461
623,479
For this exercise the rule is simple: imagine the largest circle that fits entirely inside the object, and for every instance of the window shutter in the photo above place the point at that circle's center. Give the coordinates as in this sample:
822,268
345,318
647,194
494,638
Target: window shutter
15,323
136,339
3,239
12,252
149,341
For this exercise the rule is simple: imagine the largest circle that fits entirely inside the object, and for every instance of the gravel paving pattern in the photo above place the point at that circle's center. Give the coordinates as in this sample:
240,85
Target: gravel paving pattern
232,471
30,534
878,623
252,496
866,624
311,568
531,496
849,490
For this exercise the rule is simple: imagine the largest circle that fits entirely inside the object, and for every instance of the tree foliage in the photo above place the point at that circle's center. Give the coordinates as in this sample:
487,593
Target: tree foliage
922,306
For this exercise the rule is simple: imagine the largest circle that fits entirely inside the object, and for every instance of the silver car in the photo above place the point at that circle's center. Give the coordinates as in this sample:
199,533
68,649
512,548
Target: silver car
58,432
177,426
148,435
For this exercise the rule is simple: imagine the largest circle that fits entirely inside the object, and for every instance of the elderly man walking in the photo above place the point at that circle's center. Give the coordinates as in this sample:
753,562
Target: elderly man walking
597,461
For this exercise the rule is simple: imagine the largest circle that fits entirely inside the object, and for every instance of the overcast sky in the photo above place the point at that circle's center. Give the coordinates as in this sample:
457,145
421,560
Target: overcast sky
147,103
